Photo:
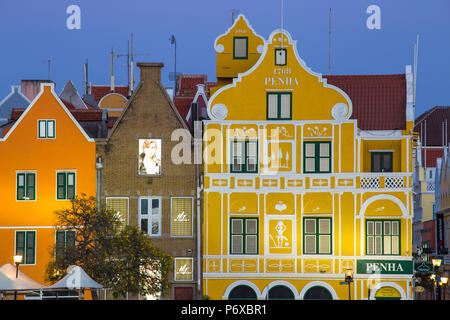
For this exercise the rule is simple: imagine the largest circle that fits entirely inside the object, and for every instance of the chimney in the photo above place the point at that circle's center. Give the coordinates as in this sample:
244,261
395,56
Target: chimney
150,71
31,88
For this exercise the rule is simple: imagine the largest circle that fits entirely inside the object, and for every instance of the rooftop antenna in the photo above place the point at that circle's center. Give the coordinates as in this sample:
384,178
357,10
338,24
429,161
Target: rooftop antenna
282,9
416,57
173,41
233,12
48,67
112,70
130,63
329,45
85,77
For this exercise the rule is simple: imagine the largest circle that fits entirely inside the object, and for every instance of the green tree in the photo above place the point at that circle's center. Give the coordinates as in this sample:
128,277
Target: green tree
119,257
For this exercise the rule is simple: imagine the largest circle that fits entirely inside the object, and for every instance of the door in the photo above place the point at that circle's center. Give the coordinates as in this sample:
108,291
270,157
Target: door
184,293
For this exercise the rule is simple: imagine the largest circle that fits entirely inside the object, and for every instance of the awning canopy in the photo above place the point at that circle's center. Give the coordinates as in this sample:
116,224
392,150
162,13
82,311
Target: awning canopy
9,282
76,279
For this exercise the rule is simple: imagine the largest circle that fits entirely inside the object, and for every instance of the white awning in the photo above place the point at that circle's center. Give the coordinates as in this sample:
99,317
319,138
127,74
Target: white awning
9,282
76,279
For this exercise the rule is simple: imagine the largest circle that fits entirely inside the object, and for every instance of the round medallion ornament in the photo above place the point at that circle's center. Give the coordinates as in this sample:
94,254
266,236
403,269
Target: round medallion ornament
219,111
339,111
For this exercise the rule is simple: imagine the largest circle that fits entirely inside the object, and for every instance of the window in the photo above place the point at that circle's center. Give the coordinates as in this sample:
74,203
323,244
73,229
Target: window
381,161
244,156
183,269
280,57
181,217
26,186
64,239
119,205
46,129
382,237
279,106
150,215
65,185
240,48
317,157
317,235
244,236
26,246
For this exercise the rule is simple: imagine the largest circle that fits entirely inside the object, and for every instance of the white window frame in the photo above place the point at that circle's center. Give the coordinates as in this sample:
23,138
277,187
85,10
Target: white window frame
149,216
45,136
128,206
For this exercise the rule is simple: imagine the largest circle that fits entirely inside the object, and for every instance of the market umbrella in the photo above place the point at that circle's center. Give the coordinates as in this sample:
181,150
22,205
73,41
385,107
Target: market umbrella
9,282
76,279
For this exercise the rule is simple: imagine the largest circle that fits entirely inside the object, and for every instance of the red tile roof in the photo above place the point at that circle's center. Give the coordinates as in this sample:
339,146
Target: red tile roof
78,114
187,84
100,91
433,121
432,155
379,101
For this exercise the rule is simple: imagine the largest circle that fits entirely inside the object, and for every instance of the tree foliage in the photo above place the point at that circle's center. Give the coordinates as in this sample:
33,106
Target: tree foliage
118,256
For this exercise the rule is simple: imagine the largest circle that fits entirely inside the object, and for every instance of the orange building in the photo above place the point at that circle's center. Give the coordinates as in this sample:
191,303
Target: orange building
46,159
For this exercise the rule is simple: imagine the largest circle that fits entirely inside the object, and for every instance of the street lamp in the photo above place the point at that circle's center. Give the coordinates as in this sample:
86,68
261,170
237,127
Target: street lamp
437,263
444,281
17,261
349,280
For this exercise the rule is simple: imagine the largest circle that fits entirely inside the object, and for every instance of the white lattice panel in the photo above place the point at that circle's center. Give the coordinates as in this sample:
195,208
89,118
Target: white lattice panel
393,182
370,182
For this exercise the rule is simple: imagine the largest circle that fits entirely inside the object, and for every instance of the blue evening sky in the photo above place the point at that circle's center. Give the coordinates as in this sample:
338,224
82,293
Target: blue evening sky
31,31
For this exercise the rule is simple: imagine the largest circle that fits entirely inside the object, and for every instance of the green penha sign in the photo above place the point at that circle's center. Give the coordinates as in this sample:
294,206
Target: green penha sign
384,266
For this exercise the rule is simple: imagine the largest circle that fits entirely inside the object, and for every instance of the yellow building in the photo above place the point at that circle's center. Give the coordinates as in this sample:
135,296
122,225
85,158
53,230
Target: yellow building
297,188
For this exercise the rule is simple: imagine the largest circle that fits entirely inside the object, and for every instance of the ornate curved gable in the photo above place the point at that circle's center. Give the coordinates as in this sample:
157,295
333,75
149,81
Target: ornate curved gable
311,97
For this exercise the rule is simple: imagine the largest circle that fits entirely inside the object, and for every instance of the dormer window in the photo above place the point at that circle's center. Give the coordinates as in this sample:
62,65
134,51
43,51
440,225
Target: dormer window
46,129
240,48
280,57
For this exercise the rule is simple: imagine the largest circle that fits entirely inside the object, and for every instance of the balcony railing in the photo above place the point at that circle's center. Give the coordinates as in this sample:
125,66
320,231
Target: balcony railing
367,181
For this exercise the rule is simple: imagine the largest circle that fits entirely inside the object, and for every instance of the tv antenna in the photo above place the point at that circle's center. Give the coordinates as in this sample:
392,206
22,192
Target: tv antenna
234,13
130,65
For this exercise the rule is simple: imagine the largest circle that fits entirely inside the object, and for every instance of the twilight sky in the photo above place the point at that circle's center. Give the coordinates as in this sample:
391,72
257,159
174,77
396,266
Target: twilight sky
32,31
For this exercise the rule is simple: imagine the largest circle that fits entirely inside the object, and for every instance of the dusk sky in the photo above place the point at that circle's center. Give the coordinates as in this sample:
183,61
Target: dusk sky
32,31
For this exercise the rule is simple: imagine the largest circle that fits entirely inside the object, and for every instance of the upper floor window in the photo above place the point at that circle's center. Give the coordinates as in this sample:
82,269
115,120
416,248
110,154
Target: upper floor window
244,236
64,239
65,182
150,215
279,106
26,246
280,57
382,237
244,156
46,129
381,161
240,48
26,186
317,237
317,157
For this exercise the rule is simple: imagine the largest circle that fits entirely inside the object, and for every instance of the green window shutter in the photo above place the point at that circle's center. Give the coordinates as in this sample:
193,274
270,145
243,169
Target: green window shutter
50,128
381,161
244,156
20,244
42,129
21,186
70,185
31,185
61,185
317,236
31,247
279,106
71,237
383,237
60,240
244,236
317,157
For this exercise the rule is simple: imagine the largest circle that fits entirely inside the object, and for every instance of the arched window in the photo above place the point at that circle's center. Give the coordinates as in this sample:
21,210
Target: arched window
280,293
318,293
242,292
